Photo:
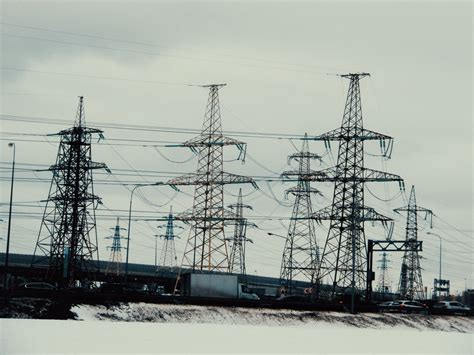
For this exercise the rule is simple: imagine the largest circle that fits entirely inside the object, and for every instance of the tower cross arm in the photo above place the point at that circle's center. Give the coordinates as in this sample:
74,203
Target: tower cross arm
340,174
220,214
304,155
370,214
303,191
84,130
89,166
203,179
340,134
371,175
365,214
324,214
311,175
238,205
206,140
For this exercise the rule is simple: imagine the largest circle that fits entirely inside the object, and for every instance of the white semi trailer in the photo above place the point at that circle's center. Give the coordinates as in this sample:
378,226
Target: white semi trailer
216,286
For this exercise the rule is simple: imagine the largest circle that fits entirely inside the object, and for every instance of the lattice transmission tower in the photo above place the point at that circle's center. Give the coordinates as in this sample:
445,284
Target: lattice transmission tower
383,284
239,239
168,253
411,283
206,248
344,259
68,235
115,258
300,255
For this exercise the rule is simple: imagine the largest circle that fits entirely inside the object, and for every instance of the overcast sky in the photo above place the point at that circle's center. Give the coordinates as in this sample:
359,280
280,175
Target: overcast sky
134,62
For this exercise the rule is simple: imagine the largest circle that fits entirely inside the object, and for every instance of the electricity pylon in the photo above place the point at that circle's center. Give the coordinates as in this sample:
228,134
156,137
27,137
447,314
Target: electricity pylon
239,239
411,284
344,259
383,285
168,253
300,254
115,258
69,216
206,248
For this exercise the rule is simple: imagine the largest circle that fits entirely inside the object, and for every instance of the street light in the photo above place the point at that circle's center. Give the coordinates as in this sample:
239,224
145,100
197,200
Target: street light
439,280
130,220
9,219
156,251
277,235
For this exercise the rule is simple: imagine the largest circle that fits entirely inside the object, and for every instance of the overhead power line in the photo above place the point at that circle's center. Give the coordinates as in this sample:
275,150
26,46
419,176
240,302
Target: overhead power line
148,128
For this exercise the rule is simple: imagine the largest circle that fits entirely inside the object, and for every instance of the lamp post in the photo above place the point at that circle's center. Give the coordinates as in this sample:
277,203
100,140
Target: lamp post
156,251
130,221
439,280
277,235
5,279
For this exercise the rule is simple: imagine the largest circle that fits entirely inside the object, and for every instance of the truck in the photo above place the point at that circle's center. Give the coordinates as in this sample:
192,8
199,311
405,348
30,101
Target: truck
215,286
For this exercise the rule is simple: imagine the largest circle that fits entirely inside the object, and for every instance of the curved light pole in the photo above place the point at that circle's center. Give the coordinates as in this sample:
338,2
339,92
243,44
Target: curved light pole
437,235
5,279
130,220
276,235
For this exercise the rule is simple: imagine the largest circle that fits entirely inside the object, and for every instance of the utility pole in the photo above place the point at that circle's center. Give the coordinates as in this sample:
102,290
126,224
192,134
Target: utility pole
344,258
411,283
206,248
7,253
156,251
300,255
239,239
115,259
69,216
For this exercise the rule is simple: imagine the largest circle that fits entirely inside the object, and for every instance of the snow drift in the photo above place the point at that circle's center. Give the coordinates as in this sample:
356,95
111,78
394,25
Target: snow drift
160,313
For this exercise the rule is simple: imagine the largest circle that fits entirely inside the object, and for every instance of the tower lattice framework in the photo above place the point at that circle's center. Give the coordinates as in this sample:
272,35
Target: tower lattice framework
300,255
411,283
168,253
206,248
68,235
344,260
383,283
115,258
239,239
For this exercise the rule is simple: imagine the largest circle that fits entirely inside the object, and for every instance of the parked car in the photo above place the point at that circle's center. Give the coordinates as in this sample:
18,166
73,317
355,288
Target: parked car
37,286
403,306
451,307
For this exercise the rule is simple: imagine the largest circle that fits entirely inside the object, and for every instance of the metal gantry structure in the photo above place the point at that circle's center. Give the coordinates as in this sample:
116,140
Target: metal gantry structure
239,240
411,283
344,258
206,247
115,258
300,257
168,257
68,235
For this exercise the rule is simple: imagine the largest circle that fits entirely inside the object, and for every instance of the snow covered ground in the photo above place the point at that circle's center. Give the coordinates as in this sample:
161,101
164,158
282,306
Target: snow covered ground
146,328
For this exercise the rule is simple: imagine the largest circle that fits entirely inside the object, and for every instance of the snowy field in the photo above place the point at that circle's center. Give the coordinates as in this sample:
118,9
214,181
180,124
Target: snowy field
145,328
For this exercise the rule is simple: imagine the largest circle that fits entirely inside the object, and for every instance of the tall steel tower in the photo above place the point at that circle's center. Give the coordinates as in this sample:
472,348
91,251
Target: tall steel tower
69,217
115,259
300,254
344,258
411,283
383,285
168,253
239,239
206,248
